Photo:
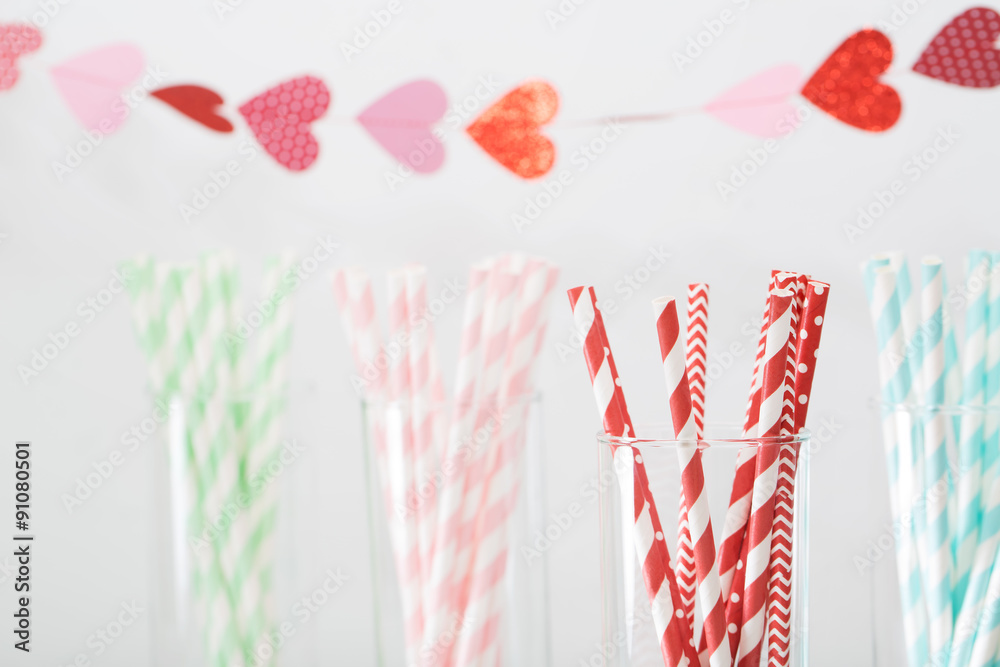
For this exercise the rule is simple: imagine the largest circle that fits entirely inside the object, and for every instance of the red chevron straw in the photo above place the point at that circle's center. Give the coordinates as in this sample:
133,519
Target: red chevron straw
692,481
676,643
802,366
695,358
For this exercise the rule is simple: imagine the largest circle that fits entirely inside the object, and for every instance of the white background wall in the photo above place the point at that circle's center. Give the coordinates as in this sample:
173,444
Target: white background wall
654,187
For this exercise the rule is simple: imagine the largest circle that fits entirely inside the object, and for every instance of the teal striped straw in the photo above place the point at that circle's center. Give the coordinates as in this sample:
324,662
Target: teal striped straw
897,385
991,434
939,565
970,443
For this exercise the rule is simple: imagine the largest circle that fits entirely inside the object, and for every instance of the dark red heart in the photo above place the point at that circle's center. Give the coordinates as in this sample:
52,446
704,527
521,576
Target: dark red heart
847,85
196,103
280,119
964,53
509,130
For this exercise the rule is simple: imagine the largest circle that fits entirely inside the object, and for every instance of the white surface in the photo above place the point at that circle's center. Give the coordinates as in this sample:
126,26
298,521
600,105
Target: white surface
655,186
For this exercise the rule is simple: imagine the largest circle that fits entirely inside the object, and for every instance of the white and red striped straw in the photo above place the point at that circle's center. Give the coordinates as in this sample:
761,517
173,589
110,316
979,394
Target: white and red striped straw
676,642
692,481
772,414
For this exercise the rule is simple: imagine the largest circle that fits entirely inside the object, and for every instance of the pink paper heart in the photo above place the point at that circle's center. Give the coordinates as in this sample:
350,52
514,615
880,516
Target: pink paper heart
16,39
759,104
92,84
401,122
281,119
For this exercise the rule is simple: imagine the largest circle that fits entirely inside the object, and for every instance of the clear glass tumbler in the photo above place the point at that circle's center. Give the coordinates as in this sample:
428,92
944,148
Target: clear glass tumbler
629,638
457,591
217,479
931,451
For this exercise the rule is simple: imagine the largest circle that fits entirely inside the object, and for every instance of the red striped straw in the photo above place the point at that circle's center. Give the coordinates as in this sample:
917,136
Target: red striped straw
695,356
676,641
802,365
692,481
734,528
772,410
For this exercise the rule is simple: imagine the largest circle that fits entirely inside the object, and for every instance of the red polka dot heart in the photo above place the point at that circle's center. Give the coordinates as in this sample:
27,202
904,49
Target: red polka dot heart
280,119
965,53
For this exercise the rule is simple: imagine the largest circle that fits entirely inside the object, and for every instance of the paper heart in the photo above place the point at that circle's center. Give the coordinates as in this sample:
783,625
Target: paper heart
280,119
509,130
92,84
846,86
196,103
401,121
759,104
964,53
16,39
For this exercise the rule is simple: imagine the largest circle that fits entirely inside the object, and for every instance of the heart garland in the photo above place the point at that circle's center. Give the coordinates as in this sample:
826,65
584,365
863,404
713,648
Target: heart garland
846,86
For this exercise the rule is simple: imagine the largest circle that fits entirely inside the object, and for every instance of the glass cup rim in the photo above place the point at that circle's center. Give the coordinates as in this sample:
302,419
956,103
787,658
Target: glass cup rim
947,409
712,441
523,398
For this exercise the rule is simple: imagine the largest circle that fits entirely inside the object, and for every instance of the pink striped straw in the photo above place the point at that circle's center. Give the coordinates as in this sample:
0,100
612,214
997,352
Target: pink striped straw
676,642
400,453
693,481
480,644
440,589
762,507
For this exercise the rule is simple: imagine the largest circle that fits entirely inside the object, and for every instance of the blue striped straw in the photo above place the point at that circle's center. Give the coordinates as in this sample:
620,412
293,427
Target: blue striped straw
991,436
938,566
897,385
970,443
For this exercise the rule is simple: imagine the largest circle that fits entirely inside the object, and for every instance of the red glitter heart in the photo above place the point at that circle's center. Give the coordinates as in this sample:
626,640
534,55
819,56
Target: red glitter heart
280,119
15,39
196,103
847,87
964,52
509,130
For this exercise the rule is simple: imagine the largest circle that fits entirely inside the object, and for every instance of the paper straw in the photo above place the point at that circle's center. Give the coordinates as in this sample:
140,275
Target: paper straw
676,642
970,444
939,565
880,282
692,480
986,647
695,359
773,387
439,588
991,432
400,454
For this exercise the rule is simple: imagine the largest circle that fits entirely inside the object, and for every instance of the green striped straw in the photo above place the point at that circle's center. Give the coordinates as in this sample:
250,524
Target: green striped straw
939,565
267,406
880,283
970,443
